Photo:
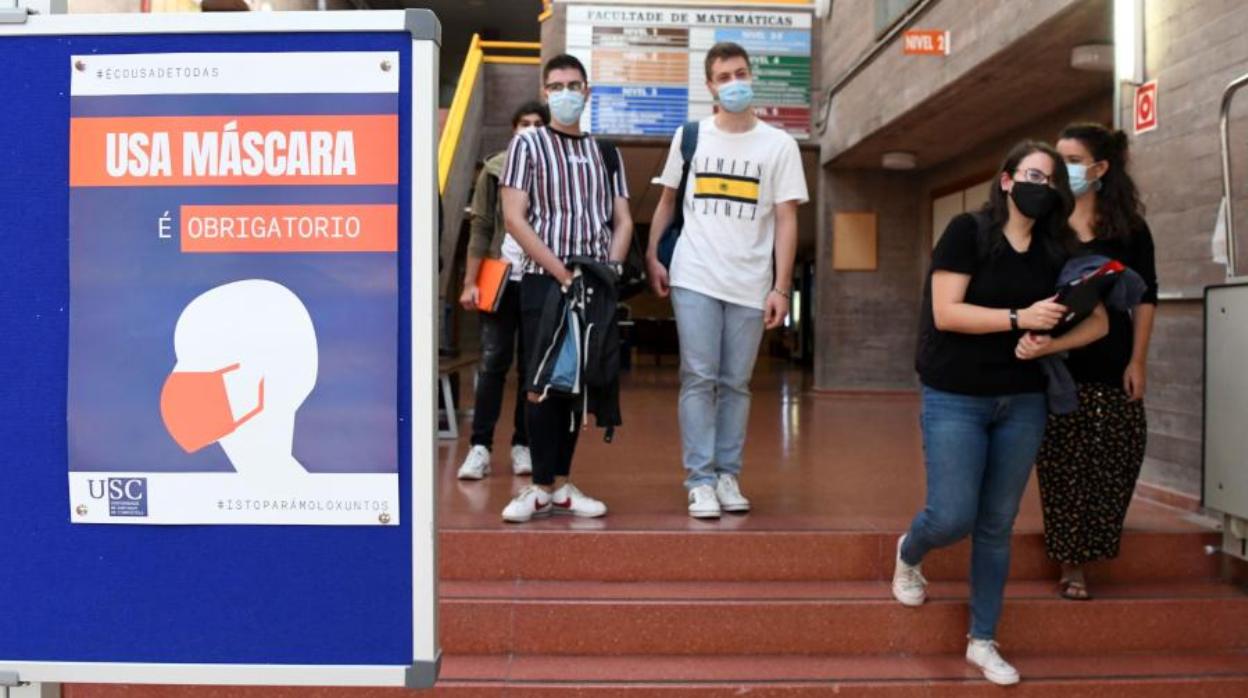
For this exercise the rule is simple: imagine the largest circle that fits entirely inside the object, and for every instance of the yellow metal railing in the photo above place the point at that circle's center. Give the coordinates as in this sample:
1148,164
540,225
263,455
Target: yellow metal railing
516,45
513,46
459,110
454,126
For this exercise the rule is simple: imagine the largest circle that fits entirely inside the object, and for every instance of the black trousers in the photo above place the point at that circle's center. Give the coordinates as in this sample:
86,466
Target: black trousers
501,342
555,423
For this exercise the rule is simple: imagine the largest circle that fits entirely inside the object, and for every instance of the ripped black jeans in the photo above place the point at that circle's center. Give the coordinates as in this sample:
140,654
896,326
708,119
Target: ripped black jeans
501,342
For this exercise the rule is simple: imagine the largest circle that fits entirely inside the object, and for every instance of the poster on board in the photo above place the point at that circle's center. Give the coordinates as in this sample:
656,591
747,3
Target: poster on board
233,334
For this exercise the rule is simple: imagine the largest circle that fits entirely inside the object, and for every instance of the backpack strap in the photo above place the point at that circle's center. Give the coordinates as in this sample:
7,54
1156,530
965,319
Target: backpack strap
671,235
688,146
610,158
688,142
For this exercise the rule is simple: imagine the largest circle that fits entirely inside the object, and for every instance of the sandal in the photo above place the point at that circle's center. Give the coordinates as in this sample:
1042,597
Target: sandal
1074,590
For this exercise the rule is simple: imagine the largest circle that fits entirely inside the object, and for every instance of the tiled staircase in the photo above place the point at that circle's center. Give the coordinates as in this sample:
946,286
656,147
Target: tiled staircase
553,613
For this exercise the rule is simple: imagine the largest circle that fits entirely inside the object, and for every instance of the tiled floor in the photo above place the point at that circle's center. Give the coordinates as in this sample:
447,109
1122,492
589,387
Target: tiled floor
812,462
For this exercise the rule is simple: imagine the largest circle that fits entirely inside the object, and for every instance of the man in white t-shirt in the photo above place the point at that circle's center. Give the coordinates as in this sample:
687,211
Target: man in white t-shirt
740,218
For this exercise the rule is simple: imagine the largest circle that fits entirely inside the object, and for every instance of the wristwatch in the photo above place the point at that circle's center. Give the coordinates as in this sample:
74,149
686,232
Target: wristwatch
1014,319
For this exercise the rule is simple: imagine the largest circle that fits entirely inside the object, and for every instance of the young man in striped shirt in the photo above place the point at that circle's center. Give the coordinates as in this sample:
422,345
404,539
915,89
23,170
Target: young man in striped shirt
560,200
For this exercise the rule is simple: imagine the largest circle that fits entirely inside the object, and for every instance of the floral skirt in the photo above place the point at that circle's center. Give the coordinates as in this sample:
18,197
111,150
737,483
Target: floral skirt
1087,467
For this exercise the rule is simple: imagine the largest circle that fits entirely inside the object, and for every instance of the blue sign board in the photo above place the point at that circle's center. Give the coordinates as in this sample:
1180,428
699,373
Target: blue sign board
647,111
203,604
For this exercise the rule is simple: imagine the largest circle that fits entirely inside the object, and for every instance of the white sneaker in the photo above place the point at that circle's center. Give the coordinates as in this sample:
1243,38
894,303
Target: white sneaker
729,494
909,586
983,654
702,503
569,500
521,460
476,465
532,502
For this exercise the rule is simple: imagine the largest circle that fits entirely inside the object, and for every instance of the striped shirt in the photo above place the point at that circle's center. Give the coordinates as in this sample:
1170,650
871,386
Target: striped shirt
571,195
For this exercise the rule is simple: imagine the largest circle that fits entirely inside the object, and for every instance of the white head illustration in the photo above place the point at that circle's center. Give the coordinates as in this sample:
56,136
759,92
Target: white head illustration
246,361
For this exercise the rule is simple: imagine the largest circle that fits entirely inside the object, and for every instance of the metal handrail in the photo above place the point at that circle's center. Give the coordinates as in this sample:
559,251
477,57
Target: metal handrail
513,60
516,45
1224,125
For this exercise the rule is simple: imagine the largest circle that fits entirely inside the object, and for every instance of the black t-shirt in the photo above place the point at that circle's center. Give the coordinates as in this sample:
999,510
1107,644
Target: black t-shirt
1000,278
1106,360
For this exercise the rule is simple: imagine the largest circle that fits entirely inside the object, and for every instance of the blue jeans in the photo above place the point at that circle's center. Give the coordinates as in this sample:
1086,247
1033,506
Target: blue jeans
718,346
979,453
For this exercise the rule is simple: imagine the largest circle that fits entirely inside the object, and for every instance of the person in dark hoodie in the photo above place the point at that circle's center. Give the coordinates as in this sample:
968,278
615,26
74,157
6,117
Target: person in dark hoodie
501,339
1091,458
562,199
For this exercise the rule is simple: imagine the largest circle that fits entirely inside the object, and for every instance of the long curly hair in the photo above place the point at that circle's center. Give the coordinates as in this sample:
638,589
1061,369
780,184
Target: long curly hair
1119,211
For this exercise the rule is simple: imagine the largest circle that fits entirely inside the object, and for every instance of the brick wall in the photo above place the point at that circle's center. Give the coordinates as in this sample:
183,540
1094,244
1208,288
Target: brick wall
506,88
847,32
893,84
865,322
1193,49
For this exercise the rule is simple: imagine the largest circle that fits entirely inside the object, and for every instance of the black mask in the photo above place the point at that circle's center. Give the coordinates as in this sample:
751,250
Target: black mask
1033,200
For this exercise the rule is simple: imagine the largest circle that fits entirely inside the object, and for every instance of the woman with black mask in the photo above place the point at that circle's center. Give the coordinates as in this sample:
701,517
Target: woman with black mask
988,303
1091,458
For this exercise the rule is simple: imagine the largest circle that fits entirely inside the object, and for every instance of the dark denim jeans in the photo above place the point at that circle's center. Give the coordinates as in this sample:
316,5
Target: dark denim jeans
554,423
979,452
501,341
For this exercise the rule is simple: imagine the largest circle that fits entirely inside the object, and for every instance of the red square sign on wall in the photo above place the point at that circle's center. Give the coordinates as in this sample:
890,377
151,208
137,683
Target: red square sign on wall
1146,107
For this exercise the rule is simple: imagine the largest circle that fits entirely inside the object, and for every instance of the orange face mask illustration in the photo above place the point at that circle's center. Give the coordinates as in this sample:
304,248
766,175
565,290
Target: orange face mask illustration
263,336
196,410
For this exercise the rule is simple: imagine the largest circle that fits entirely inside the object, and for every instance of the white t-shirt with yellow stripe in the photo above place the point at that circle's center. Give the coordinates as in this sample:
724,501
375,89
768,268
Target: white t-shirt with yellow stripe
735,181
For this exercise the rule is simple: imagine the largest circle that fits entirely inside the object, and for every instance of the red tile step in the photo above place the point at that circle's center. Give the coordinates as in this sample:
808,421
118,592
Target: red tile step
1102,676
553,618
1097,675
621,556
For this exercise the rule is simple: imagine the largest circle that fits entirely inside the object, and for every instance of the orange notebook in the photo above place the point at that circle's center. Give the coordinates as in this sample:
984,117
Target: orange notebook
492,280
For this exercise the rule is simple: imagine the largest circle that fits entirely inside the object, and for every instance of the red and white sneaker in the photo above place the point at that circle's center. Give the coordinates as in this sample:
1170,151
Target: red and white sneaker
532,502
569,500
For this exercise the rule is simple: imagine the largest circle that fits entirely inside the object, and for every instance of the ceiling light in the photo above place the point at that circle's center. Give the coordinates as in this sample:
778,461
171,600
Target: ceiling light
1093,57
900,160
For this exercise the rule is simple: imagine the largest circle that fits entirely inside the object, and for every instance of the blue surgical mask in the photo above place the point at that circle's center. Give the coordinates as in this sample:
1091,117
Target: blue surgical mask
566,106
736,96
1079,182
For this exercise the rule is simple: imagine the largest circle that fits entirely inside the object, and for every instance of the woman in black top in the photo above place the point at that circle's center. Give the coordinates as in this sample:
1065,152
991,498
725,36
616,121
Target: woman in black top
993,276
1091,459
